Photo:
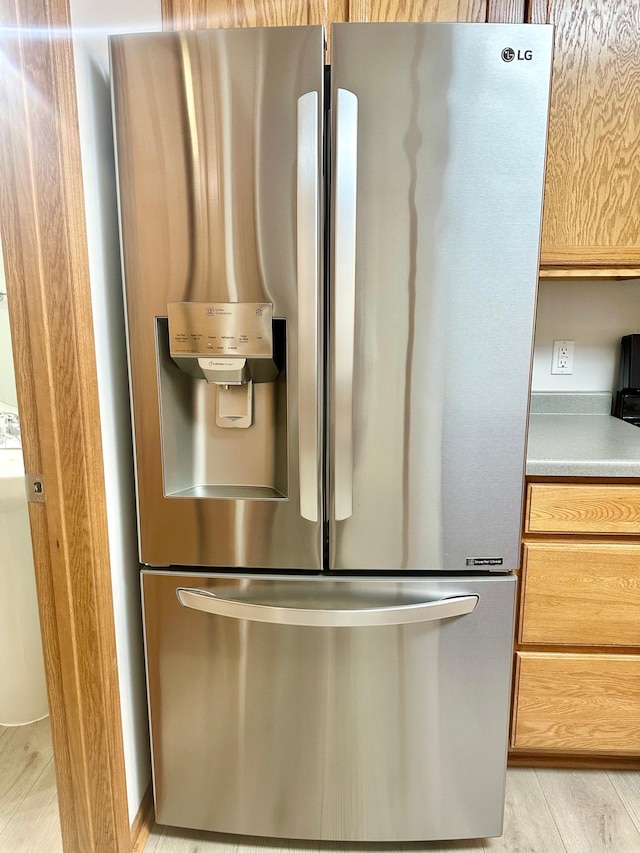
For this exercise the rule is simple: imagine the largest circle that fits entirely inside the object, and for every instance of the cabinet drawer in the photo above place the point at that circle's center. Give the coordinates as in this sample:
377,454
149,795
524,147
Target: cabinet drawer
553,508
577,702
581,594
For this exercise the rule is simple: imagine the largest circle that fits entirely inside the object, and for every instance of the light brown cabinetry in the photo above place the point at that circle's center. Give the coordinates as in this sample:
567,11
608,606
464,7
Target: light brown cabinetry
577,673
592,190
573,508
203,14
581,594
474,11
193,14
578,702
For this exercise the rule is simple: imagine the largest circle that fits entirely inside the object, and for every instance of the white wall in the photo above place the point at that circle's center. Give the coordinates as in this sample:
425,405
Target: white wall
8,400
92,22
594,314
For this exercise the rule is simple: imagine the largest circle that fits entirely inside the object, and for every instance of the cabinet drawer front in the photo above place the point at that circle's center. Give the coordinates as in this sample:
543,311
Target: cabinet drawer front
581,594
577,702
555,508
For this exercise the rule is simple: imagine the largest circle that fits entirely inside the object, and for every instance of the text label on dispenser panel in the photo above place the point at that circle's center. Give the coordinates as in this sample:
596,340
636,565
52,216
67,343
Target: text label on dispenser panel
220,328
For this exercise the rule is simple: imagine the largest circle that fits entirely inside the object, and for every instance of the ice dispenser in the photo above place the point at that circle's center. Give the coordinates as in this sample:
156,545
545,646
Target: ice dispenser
223,413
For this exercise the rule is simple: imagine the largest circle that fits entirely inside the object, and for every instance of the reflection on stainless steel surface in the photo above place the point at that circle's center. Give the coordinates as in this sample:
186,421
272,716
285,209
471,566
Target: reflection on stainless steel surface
343,300
207,142
309,211
450,166
395,732
197,162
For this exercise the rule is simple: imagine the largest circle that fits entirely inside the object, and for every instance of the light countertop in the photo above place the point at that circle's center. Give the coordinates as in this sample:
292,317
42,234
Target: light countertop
581,441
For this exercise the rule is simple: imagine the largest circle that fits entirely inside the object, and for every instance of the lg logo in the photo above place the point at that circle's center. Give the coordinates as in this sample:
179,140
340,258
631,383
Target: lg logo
509,54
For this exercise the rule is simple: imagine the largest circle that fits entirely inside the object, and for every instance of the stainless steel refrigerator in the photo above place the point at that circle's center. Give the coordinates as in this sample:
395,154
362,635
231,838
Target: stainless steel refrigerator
330,282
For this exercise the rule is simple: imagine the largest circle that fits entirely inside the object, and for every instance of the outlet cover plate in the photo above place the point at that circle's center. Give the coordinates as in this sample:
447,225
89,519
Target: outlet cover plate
562,359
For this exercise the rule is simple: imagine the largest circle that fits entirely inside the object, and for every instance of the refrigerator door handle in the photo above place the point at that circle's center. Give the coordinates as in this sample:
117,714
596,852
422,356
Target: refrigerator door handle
428,611
344,299
308,270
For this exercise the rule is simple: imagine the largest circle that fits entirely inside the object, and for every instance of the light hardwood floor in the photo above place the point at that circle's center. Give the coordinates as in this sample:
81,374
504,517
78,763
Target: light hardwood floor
29,821
547,811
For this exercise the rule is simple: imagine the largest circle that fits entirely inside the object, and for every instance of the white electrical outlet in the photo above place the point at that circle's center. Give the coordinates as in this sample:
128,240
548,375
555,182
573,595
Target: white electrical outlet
562,361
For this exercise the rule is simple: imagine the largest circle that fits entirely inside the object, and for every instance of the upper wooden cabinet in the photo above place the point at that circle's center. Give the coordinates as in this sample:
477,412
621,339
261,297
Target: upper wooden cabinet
592,192
472,11
202,14
418,10
193,14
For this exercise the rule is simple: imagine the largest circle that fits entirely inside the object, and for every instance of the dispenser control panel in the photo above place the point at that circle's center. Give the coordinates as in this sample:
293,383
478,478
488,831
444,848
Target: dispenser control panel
240,329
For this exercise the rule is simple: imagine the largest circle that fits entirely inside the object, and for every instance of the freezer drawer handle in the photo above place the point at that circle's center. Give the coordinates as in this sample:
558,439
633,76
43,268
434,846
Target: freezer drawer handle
308,270
344,299
428,611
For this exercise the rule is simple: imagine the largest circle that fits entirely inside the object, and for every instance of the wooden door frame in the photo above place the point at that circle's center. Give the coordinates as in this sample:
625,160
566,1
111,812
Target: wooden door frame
42,223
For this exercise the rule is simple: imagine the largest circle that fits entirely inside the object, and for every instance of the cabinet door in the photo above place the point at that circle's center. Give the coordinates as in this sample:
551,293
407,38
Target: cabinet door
580,593
193,14
474,11
577,702
203,14
592,193
450,11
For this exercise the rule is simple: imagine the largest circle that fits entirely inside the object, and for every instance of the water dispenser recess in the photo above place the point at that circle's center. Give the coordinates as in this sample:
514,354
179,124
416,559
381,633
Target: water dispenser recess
224,411
229,344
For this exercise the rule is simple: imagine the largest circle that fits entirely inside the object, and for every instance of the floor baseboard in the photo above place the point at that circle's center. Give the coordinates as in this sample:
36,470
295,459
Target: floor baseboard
143,822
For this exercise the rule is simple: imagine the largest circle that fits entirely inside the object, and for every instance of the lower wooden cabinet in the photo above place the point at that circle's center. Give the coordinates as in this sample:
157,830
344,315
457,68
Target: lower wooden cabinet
577,702
577,669
576,508
580,593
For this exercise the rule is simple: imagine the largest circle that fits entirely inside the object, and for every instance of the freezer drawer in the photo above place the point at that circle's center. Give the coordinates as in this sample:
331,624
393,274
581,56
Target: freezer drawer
329,709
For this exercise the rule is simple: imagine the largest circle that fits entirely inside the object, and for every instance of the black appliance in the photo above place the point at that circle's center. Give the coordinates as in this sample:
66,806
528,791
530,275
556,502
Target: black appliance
627,403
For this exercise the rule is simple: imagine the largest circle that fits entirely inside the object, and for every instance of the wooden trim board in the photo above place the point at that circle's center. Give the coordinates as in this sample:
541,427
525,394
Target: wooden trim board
574,761
143,822
44,238
577,257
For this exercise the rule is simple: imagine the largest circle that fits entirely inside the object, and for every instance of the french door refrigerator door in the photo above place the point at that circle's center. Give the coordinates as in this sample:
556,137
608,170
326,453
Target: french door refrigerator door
219,149
369,710
438,158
